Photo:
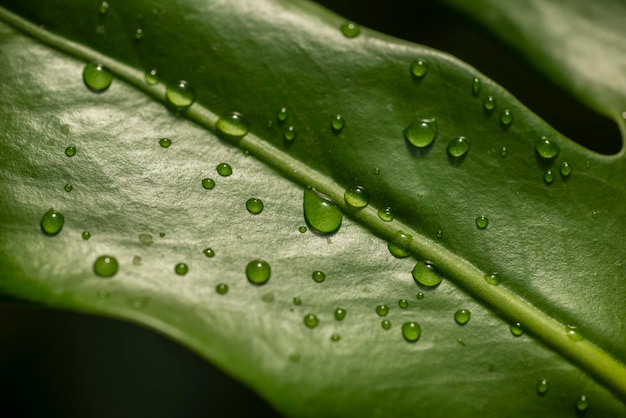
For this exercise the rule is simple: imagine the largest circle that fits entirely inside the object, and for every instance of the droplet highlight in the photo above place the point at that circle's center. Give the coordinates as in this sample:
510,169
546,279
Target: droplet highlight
426,274
97,77
421,133
321,213
52,222
411,331
180,94
105,266
258,272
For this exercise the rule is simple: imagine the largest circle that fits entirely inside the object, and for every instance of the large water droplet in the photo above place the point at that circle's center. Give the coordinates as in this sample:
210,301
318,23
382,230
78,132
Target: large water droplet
52,222
411,331
382,310
357,197
418,69
105,266
506,118
340,314
489,104
476,86
482,222
311,321
350,29
426,274
254,206
337,123
458,147
221,288
546,149
152,77
224,169
399,246
321,213
181,269
70,151
258,271
542,387
421,133
208,183
386,214
232,125
493,278
318,276
180,94
462,316
386,324
165,142
97,77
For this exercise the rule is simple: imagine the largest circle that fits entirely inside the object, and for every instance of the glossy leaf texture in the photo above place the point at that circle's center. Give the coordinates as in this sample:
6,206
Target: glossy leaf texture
498,206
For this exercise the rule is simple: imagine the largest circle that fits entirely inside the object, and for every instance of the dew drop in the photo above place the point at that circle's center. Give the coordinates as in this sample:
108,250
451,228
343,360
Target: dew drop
582,404
460,341
152,77
311,321
208,252
357,197
439,234
52,222
68,187
289,133
542,387
503,152
386,324
165,142
476,86
462,316
221,288
337,123
161,234
340,314
546,149
145,239
548,177
458,147
232,125
489,104
136,260
208,183
573,333
399,246
139,34
382,310
321,213
297,301
258,272
506,118
294,358
350,29
302,229
377,171
105,266
224,169
403,303
418,69
493,278
282,114
181,269
411,331
97,77
419,295
386,214
254,206
318,276
70,151
566,169
104,8
335,337
426,274
516,329
180,94
86,235
594,214
421,133
268,297
482,222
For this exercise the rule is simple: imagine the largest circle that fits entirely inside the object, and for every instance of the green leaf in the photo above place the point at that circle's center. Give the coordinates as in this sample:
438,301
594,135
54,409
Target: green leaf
553,243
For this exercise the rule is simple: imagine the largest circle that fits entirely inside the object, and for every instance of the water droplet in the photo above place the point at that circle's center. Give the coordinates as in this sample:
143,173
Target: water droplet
161,234
180,94
493,278
582,404
258,271
489,104
136,260
68,187
340,314
152,77
335,337
221,288
419,69
297,301
97,77
322,214
411,331
462,316
482,222
254,206
302,229
421,133
458,147
516,329
289,133
52,222
70,151
294,358
350,29
86,235
426,274
542,387
268,297
594,214
105,266
181,269
548,177
356,197
145,239
399,246
419,296
503,152
165,142
104,8
209,252
382,310
386,214
546,149
311,321
566,169
439,234
282,114
318,276
232,125
337,122
386,324
139,34
573,333
506,118
403,303
208,183
224,169
476,86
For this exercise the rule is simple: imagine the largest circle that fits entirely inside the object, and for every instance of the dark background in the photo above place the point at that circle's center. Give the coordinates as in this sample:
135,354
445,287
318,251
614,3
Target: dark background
60,364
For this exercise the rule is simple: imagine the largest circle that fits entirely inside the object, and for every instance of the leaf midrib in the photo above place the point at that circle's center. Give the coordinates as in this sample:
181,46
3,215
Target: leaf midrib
607,370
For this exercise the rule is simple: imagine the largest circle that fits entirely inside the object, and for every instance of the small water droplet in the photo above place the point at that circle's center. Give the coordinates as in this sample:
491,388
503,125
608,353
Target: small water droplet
462,316
105,266
377,171
356,196
86,235
258,271
493,278
289,133
208,252
208,183
254,205
587,164
232,125
386,214
165,142
161,234
311,321
302,229
180,94
566,169
268,297
426,274
503,152
350,29
399,246
152,77
52,222
546,149
439,234
411,331
337,123
145,239
221,288
297,301
386,324
516,329
340,314
282,114
224,169
506,118
476,86
321,213
294,358
419,295
482,222
104,8
403,303
458,147
421,133
68,187
97,77
594,214
573,333
318,276
136,260
548,177
70,151
382,310
582,404
489,104
335,337
542,387
181,269
460,341
419,69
